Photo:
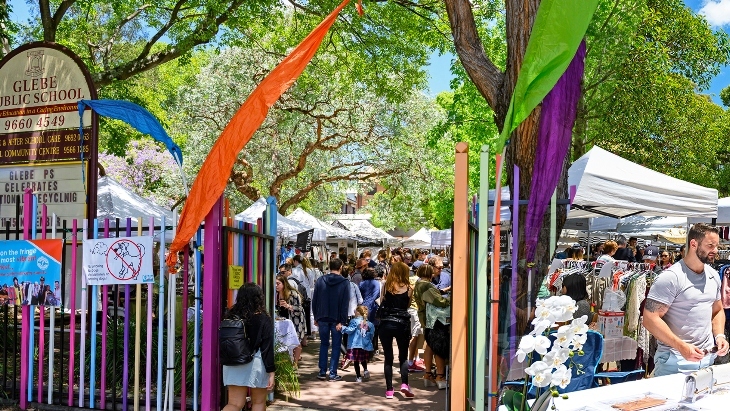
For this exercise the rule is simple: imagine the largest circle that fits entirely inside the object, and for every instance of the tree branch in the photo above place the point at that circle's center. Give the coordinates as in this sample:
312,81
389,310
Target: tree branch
201,34
481,70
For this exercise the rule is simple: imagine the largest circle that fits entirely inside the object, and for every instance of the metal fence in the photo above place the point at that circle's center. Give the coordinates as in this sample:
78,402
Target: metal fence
130,346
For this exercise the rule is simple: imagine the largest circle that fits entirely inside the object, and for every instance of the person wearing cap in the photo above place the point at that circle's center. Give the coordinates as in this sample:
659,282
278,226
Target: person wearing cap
683,309
287,252
650,255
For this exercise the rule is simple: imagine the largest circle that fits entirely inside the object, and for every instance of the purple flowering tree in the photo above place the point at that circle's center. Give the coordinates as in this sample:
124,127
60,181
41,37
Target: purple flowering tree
148,170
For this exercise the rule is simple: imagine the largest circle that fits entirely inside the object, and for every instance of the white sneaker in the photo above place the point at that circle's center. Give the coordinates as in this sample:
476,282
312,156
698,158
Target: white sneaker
358,379
366,375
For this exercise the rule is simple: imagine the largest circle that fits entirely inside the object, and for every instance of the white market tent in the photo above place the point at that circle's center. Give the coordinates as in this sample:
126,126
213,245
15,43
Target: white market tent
284,226
608,185
421,239
116,201
363,228
723,213
307,219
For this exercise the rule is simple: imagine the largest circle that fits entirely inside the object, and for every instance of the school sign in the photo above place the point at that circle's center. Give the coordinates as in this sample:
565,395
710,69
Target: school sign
40,147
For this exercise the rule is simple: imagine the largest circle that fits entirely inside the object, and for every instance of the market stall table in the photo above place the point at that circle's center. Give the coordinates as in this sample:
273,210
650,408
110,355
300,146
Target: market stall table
668,387
614,349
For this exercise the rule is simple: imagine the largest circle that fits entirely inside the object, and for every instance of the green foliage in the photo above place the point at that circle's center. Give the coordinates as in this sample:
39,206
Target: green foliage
645,61
725,96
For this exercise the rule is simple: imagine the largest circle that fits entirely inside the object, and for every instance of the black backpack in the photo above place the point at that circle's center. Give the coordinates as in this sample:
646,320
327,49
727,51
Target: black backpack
234,344
302,289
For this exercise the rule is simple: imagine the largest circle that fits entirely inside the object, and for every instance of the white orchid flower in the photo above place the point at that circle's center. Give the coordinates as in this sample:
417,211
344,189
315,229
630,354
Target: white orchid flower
561,376
537,367
557,357
540,326
542,344
527,345
564,336
578,325
578,341
543,378
543,313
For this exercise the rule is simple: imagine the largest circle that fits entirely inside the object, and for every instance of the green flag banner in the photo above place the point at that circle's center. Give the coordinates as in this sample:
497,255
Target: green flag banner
558,30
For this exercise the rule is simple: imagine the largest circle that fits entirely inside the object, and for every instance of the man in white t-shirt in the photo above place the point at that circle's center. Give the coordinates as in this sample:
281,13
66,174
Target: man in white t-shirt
683,309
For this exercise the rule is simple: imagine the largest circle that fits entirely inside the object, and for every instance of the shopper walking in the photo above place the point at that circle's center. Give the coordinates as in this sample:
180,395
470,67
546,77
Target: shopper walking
257,375
330,303
395,323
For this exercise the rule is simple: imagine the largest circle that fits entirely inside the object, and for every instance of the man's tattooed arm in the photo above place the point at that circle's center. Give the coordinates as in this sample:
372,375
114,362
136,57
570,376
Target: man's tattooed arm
654,306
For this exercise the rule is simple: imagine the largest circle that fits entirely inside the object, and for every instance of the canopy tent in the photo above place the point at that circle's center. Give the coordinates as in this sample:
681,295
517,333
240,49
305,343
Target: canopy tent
723,213
305,218
591,224
284,226
421,239
116,201
363,228
608,185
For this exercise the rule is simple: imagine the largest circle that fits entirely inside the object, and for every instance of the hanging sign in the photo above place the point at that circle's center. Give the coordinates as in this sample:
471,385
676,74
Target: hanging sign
30,272
121,260
304,240
235,277
40,86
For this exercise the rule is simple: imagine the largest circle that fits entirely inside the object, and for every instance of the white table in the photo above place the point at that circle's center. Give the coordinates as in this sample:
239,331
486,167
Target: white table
614,349
286,335
668,386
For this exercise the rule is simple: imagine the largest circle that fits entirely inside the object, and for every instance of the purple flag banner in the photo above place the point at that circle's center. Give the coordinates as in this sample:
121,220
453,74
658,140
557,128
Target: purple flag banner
559,109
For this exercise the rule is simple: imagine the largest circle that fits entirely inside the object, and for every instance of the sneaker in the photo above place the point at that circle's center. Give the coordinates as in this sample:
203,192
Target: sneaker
406,390
419,362
322,377
389,394
366,375
335,378
346,364
416,368
358,379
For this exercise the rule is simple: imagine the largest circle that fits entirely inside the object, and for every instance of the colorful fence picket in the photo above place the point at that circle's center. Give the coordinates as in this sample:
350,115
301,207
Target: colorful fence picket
135,346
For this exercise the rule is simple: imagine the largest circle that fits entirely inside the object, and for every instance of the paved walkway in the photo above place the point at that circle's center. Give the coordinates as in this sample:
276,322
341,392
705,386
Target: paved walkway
349,395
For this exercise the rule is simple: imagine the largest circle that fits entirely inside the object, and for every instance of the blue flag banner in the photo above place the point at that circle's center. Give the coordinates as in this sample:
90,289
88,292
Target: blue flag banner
137,117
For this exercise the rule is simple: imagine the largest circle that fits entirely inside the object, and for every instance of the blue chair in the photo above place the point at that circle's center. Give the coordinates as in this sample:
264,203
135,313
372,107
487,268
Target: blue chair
616,377
583,368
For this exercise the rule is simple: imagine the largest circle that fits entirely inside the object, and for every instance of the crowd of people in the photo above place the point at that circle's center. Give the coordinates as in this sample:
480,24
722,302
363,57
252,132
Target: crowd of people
30,293
362,307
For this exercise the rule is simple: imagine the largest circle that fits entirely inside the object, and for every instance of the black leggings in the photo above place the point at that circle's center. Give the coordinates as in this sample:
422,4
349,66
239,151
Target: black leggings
364,367
402,337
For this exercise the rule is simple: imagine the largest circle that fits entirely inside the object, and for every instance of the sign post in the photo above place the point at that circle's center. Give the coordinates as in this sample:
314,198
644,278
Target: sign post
40,146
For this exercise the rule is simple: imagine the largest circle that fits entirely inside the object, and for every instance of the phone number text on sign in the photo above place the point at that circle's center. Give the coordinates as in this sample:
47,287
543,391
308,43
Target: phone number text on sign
34,123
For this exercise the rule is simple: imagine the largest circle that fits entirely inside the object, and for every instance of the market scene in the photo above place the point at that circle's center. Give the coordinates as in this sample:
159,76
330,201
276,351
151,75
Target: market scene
365,205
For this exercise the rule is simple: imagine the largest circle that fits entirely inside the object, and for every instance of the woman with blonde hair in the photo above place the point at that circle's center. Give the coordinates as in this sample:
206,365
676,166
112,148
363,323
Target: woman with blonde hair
395,323
436,339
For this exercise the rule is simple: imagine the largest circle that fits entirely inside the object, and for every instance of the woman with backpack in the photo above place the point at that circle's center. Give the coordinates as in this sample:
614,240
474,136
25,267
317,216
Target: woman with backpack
289,305
258,374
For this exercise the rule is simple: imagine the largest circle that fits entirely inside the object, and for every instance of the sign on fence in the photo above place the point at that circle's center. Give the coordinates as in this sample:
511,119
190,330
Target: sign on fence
123,260
30,272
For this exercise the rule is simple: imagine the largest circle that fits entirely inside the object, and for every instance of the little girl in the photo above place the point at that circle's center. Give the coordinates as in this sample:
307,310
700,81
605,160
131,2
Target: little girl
360,342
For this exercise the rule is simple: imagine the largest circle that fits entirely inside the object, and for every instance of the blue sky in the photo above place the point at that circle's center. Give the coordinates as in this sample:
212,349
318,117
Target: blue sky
717,13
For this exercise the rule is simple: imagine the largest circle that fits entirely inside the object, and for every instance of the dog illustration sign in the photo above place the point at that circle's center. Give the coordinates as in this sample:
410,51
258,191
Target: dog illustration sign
124,260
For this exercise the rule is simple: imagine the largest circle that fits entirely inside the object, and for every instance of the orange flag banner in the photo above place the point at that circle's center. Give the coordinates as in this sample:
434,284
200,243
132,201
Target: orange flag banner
213,175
